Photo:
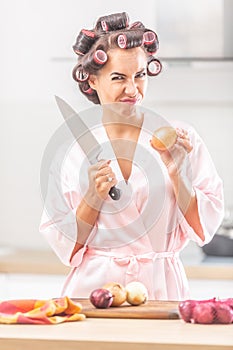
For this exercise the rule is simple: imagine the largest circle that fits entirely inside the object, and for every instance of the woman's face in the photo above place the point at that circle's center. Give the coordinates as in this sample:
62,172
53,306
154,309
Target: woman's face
123,78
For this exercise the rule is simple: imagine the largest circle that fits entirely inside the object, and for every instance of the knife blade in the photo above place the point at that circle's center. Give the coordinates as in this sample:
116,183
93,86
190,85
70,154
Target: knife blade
84,137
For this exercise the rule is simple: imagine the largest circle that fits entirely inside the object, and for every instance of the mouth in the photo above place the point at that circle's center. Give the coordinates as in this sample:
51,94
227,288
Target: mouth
131,101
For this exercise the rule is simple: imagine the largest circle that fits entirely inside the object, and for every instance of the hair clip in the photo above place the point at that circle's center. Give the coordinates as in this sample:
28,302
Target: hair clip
79,74
100,57
122,41
154,67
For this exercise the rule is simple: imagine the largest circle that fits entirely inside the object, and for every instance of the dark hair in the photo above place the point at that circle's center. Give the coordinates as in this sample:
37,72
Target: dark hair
111,31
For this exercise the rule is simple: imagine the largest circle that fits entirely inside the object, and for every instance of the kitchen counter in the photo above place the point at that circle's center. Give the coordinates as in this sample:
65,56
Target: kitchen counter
46,262
115,334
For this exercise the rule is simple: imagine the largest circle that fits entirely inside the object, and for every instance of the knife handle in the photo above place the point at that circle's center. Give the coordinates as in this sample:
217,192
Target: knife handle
115,193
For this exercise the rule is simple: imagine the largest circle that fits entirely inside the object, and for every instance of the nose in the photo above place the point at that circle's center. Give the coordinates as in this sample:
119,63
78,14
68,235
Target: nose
131,87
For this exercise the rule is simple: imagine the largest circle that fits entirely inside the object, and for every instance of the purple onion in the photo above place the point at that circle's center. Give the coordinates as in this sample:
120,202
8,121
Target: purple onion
101,298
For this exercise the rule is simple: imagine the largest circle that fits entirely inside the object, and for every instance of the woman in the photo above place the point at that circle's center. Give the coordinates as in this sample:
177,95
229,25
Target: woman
168,197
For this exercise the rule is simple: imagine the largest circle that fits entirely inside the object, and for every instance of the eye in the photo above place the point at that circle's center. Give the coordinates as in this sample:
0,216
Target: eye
140,75
118,77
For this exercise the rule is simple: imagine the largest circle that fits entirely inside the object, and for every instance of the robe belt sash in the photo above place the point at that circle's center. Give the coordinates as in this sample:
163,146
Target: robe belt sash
132,261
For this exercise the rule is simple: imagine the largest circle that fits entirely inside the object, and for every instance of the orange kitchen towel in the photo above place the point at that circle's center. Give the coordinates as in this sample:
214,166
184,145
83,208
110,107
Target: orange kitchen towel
33,311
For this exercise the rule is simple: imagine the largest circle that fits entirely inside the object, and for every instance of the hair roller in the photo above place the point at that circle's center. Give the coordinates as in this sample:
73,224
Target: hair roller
149,38
104,26
79,74
84,41
112,22
86,89
100,57
136,25
150,42
94,60
129,39
122,41
154,67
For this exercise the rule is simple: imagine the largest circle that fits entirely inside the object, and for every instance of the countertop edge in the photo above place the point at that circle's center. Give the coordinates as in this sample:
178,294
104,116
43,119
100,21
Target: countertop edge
46,262
38,344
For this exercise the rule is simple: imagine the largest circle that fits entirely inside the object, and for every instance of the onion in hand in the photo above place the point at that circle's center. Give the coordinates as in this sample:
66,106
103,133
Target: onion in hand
164,138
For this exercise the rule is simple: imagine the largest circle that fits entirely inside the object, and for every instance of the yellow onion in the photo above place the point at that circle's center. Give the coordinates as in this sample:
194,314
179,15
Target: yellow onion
136,293
118,292
164,138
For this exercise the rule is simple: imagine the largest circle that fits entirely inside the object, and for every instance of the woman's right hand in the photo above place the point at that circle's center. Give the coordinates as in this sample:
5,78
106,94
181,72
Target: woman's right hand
101,179
88,210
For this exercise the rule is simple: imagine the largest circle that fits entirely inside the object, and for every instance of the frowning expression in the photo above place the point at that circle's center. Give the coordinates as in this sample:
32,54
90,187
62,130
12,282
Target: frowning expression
123,78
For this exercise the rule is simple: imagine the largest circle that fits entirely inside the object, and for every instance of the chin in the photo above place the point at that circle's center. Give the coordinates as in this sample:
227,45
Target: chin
125,110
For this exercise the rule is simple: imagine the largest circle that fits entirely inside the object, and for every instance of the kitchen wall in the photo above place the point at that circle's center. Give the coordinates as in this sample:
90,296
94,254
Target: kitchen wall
36,62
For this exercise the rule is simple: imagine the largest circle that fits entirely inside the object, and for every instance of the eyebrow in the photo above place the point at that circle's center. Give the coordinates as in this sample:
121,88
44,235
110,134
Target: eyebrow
117,73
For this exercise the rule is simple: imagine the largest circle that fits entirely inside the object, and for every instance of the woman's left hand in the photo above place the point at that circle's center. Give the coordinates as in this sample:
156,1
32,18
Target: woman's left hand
174,158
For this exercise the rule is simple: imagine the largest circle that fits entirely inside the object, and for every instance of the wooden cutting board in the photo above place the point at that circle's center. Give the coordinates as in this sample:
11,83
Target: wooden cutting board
152,309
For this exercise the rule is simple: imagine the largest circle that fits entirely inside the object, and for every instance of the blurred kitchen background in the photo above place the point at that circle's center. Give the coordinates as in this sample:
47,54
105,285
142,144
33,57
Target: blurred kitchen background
36,60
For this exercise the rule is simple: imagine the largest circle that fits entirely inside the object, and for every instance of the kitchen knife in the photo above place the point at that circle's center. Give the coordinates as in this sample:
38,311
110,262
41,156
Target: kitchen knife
84,137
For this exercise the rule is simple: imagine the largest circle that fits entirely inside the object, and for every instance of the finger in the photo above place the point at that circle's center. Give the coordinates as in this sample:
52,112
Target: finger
182,133
109,178
103,186
104,172
103,163
185,143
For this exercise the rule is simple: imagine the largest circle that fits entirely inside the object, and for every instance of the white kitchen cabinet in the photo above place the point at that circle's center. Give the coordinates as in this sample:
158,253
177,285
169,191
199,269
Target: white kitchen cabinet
30,286
205,289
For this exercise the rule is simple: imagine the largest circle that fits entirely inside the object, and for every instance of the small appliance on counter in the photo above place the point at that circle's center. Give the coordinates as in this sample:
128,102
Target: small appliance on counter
222,242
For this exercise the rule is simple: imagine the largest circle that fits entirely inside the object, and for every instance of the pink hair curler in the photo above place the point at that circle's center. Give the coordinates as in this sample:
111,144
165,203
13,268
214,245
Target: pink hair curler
122,41
136,24
127,21
88,33
100,57
149,38
79,52
87,89
104,26
79,74
154,67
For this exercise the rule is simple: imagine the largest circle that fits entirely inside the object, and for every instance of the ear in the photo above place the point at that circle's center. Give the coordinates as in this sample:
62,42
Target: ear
92,81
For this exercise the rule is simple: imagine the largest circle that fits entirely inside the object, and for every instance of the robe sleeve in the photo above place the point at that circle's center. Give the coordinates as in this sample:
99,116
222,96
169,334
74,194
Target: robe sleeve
208,187
58,222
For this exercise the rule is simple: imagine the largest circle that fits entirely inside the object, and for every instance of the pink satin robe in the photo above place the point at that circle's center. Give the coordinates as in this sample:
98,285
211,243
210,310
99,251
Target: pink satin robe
138,237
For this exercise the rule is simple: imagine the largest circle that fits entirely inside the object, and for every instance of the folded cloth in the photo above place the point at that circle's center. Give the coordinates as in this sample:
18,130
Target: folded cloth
35,311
